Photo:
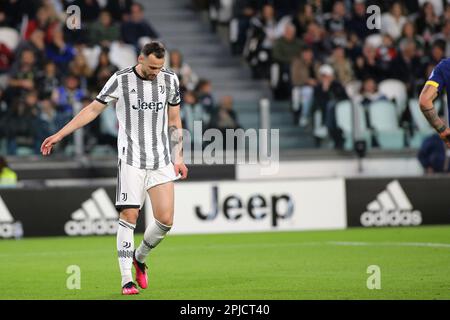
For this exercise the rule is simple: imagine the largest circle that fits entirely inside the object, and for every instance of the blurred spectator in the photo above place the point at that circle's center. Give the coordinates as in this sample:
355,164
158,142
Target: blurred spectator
191,112
7,176
315,37
357,23
304,71
224,116
431,155
44,21
427,22
203,92
119,9
22,124
409,33
284,51
89,9
341,65
60,52
287,47
48,80
327,93
104,31
407,66
6,58
243,13
137,27
22,75
14,10
386,53
35,43
367,65
335,21
261,36
80,69
187,77
50,121
105,69
65,96
392,22
444,36
304,16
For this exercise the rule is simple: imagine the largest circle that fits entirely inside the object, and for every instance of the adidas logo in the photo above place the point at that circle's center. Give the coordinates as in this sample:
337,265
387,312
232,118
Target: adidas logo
133,91
8,227
391,208
97,215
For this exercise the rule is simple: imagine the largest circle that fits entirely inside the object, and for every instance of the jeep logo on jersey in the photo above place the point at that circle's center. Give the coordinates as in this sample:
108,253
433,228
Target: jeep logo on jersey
96,216
391,208
142,105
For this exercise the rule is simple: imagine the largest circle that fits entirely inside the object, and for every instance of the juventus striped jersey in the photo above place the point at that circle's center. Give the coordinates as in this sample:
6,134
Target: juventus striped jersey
141,109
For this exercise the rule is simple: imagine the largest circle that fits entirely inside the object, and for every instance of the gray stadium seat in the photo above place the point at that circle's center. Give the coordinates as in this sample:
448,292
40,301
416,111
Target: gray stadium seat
384,120
344,119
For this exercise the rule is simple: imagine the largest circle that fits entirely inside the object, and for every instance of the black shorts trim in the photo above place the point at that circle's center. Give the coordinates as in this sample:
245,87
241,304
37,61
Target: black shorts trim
127,206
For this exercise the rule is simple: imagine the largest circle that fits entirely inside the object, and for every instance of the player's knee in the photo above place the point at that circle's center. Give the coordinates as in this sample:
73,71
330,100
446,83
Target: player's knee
129,215
166,219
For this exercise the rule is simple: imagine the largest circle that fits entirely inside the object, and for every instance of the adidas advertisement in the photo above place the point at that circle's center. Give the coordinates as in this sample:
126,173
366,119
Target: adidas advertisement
8,227
397,202
68,211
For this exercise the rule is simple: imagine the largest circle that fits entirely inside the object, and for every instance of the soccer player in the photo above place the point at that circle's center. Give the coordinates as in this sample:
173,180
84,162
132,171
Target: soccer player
439,79
147,102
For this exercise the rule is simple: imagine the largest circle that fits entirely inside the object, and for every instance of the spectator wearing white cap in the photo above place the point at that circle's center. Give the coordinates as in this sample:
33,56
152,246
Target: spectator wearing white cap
326,94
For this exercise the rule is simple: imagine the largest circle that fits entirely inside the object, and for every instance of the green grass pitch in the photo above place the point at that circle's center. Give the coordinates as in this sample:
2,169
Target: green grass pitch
414,264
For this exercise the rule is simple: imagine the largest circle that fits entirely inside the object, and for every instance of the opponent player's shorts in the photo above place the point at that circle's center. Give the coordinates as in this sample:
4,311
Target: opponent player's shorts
133,183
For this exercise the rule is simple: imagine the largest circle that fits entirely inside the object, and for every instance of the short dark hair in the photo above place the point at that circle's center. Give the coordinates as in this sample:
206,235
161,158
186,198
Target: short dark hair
155,47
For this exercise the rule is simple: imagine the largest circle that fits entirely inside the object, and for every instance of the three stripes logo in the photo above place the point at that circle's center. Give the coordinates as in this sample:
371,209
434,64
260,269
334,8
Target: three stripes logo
391,208
8,227
97,215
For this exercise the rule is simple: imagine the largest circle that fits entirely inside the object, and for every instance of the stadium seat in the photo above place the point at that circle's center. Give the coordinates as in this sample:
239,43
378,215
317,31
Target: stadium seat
344,119
384,120
24,151
91,55
394,89
423,128
10,37
122,55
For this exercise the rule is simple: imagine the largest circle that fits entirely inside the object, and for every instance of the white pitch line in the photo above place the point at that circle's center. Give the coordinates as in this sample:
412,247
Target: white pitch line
391,244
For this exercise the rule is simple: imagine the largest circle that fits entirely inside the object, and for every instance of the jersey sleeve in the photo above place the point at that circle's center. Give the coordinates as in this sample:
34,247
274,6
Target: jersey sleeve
110,91
437,78
174,94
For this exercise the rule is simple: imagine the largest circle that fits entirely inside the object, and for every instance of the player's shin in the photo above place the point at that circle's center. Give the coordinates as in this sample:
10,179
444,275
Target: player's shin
153,235
125,248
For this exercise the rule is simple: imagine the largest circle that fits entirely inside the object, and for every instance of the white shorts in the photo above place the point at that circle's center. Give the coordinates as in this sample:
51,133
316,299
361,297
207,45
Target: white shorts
133,183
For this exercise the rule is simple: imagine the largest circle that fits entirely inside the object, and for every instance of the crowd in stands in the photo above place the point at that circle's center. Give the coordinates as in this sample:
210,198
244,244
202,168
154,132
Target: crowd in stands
314,51
48,71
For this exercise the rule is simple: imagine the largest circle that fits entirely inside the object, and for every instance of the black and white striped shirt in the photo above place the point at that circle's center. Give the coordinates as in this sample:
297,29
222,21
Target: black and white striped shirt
141,109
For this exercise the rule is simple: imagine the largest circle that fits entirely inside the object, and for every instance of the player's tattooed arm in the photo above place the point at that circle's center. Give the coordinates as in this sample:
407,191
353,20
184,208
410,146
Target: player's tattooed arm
175,133
176,139
427,96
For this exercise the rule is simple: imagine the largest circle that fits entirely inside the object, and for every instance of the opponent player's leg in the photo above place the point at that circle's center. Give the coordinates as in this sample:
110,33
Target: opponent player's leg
130,188
162,198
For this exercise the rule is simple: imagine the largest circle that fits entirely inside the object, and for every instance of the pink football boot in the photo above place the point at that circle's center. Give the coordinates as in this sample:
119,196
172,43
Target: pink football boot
141,273
129,288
